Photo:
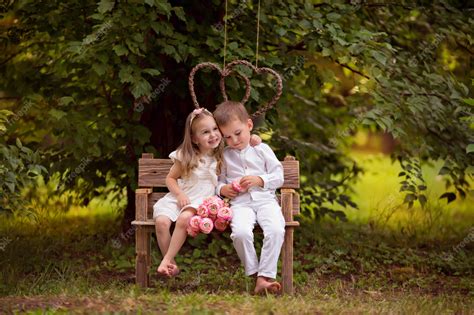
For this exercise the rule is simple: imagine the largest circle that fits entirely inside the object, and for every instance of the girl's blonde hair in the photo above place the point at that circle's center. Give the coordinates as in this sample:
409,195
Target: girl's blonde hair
188,152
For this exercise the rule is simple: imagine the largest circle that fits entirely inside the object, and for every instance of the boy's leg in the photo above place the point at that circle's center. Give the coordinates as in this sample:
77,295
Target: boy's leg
242,225
272,222
168,265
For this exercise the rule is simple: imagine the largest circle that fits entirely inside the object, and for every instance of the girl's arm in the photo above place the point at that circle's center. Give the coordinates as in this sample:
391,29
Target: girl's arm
172,184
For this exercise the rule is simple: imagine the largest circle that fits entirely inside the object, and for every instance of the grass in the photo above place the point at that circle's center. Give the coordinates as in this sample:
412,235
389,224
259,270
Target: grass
61,262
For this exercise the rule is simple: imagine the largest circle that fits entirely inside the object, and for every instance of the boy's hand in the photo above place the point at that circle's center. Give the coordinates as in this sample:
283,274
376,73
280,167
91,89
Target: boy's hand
183,200
228,191
249,181
255,140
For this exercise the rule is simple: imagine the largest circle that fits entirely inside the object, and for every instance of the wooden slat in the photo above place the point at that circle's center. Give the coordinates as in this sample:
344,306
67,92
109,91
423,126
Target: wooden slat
291,169
152,172
296,203
142,247
141,204
152,199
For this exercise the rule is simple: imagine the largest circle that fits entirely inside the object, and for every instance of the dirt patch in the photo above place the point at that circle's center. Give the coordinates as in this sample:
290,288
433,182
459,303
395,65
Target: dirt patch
81,305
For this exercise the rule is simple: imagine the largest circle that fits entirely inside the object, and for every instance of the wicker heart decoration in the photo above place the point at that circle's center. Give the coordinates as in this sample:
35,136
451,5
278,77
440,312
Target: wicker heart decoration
229,70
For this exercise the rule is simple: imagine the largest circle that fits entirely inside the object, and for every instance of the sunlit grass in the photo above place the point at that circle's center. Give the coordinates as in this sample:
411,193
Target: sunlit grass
381,204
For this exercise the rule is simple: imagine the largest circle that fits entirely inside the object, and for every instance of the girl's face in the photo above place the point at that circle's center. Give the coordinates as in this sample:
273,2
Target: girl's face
206,135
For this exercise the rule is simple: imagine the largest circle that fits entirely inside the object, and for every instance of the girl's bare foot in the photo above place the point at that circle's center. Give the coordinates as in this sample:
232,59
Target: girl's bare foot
263,285
173,269
163,269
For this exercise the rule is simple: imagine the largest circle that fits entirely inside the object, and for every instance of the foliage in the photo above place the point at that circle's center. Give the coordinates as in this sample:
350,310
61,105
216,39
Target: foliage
19,165
110,78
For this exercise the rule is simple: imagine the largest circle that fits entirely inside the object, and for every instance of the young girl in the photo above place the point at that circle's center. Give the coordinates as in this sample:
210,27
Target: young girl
191,179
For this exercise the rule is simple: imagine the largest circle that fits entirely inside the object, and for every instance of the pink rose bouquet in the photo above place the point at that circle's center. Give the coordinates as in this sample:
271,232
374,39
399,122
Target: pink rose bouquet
212,213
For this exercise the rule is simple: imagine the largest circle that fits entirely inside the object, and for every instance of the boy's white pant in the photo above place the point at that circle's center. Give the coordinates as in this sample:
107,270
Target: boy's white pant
267,213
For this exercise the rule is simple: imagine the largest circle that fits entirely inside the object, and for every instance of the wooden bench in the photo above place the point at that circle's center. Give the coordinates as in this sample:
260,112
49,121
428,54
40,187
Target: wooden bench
152,173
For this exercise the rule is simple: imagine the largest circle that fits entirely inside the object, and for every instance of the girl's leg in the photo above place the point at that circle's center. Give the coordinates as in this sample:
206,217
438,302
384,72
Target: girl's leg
168,264
163,236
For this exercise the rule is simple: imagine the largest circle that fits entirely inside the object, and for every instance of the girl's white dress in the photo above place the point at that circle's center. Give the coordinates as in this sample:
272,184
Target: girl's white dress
200,184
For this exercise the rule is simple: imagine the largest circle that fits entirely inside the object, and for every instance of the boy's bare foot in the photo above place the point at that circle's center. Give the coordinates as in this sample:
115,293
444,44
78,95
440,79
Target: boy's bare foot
263,285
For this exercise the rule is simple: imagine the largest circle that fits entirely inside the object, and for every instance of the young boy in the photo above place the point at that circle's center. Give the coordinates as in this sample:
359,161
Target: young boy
258,173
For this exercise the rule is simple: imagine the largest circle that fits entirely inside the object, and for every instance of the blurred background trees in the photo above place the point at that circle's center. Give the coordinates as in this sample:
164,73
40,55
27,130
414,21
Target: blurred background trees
86,87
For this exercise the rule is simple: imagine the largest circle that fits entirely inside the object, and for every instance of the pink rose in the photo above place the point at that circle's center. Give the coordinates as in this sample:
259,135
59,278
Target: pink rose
236,186
191,231
206,225
213,206
221,224
202,211
225,213
194,222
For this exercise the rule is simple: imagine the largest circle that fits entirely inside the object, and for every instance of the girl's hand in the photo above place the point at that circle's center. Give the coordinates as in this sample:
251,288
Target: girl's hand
228,191
183,200
255,140
248,181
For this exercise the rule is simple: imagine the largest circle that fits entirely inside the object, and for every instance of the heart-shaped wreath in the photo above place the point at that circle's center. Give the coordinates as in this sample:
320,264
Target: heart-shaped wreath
227,71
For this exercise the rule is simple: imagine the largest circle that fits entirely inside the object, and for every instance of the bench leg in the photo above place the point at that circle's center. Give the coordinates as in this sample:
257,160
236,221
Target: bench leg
142,249
287,262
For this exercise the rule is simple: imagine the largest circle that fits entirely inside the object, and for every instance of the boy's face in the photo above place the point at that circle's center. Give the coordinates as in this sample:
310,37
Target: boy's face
237,133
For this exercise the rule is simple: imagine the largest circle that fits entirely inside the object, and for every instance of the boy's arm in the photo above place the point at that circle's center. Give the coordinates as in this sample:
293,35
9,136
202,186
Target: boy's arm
223,188
274,178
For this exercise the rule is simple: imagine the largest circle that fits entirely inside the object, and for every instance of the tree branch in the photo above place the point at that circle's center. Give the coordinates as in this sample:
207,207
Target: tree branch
20,51
351,69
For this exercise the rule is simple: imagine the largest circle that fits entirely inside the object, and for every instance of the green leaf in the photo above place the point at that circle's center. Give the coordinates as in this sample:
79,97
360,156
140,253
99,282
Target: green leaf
180,13
470,148
99,68
422,199
164,6
151,71
469,101
326,52
18,143
140,88
10,186
105,6
450,196
57,114
409,198
120,50
379,57
333,16
66,100
125,74
444,170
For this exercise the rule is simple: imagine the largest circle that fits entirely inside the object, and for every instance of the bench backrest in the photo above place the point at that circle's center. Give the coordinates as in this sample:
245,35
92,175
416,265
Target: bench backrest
152,173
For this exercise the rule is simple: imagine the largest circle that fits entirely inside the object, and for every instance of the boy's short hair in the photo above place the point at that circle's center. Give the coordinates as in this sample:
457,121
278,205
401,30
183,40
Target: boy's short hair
229,110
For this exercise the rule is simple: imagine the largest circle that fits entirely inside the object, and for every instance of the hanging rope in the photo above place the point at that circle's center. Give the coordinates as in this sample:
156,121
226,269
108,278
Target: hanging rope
225,33
258,33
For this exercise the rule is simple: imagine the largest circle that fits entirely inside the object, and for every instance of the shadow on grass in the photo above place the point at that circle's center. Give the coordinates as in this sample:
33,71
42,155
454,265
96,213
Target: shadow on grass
80,255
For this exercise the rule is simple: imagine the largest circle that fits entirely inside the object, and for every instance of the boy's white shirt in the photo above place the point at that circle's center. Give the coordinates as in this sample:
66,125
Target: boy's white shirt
259,160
